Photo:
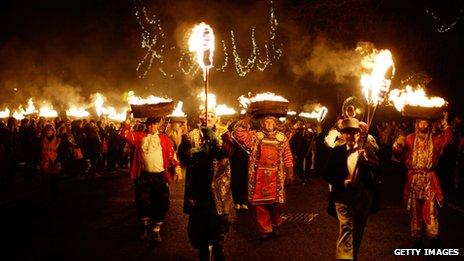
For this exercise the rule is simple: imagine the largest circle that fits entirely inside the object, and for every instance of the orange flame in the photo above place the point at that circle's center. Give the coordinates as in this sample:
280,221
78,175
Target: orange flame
201,40
374,83
318,114
5,113
178,111
265,96
412,97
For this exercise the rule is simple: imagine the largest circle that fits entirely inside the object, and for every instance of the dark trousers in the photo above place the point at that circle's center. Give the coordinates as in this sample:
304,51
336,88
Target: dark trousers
152,196
206,227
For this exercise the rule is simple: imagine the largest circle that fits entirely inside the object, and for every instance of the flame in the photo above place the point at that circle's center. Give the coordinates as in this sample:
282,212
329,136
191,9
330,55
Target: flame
265,96
112,114
375,84
47,111
412,97
201,41
178,111
318,114
98,102
30,107
291,113
135,100
77,112
211,100
242,112
5,113
223,110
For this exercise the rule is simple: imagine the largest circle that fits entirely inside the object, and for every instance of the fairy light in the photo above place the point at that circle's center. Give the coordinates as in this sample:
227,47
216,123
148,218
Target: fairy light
154,43
442,26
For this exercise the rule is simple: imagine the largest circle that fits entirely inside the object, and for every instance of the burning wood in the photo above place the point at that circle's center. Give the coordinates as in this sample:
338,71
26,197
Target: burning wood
223,110
415,103
318,113
201,43
151,106
265,104
5,113
77,112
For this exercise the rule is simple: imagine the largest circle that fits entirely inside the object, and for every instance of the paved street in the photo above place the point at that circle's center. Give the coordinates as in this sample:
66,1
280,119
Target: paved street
94,219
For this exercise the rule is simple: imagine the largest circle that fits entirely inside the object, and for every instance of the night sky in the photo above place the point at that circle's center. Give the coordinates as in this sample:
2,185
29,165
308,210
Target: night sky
69,49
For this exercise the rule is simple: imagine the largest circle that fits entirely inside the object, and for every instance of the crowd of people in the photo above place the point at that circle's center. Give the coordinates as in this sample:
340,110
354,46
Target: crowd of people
243,163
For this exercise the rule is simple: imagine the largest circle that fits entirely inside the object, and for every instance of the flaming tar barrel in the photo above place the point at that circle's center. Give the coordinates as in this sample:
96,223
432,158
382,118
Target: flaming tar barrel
263,108
152,110
430,113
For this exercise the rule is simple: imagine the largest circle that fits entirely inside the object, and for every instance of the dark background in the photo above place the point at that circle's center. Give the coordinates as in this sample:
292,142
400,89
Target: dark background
66,50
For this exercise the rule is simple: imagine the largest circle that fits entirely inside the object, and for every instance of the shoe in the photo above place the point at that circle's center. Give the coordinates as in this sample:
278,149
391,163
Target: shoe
244,207
237,207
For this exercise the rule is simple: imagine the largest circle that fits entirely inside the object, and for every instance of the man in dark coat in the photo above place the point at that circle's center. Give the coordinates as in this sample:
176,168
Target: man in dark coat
350,174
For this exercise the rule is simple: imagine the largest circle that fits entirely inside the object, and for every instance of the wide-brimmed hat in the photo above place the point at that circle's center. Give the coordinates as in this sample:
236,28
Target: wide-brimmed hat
350,124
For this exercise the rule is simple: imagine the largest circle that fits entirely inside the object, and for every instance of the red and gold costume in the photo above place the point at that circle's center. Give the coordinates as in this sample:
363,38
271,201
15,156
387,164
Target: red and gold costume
422,191
270,159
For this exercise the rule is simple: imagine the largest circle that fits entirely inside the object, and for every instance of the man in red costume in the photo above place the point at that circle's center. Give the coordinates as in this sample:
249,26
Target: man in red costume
270,167
422,192
151,170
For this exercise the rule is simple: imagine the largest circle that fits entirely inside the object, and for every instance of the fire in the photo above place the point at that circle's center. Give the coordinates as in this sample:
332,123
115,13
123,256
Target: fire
47,111
77,112
112,114
375,83
211,100
201,42
135,100
5,113
265,96
291,113
412,97
223,110
109,111
318,114
178,111
30,107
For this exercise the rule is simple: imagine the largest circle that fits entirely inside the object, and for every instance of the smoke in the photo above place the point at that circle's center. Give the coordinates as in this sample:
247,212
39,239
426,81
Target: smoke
326,60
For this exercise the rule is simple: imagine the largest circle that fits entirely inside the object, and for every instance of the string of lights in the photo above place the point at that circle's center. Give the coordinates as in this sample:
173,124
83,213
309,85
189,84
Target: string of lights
154,42
442,26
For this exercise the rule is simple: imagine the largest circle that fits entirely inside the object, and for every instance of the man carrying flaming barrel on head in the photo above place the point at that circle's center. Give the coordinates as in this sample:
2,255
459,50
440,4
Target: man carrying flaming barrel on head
152,170
207,199
270,166
422,192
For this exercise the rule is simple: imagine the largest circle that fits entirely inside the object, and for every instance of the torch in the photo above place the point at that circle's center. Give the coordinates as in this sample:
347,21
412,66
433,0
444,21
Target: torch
375,86
201,43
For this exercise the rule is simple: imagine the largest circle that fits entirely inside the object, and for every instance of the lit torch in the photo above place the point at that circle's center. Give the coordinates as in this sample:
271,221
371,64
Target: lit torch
201,42
5,113
318,113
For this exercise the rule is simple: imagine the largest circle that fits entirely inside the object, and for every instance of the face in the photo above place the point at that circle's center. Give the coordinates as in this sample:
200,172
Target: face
49,132
351,136
269,125
175,126
212,120
153,127
423,126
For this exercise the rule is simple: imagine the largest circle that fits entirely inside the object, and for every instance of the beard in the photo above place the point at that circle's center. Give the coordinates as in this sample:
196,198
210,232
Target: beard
423,130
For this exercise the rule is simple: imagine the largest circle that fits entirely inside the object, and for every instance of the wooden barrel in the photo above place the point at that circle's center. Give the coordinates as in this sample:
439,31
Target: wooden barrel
263,108
429,113
152,110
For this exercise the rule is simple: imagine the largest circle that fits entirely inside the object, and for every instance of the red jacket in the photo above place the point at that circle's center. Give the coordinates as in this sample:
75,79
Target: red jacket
134,138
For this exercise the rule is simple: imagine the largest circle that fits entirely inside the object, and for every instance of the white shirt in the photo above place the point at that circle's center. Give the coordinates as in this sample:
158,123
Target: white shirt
351,161
152,153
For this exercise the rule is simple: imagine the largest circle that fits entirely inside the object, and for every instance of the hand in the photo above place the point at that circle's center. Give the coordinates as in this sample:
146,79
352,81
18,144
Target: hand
289,178
348,183
178,174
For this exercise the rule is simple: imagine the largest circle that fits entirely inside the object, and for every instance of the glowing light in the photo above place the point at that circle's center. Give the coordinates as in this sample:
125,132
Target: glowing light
5,113
291,113
413,97
375,83
201,43
318,113
77,112
47,111
265,96
211,101
136,100
223,110
178,111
